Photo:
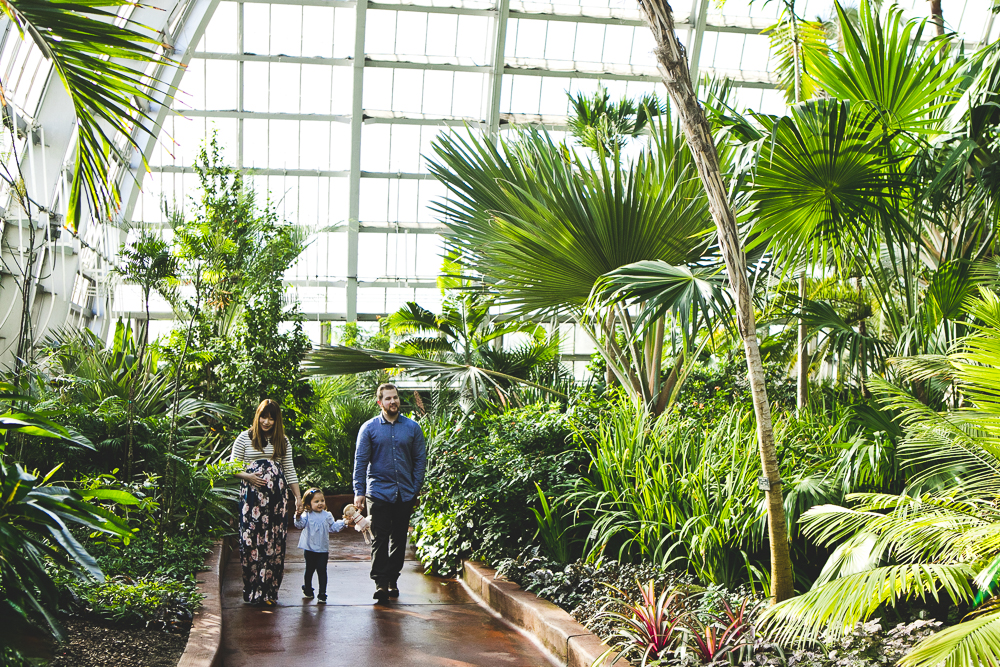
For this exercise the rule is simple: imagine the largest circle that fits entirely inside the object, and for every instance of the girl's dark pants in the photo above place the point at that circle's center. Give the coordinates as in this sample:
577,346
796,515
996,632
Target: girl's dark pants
316,562
390,525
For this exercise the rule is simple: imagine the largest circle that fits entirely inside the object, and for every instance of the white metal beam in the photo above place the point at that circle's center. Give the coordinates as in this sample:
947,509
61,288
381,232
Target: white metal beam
497,67
354,189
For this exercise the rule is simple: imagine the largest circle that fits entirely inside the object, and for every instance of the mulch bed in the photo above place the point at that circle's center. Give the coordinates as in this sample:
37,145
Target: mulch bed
95,644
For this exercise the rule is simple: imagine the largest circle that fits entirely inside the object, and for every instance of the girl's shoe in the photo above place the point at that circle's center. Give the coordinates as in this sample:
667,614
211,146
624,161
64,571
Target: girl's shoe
321,598
307,593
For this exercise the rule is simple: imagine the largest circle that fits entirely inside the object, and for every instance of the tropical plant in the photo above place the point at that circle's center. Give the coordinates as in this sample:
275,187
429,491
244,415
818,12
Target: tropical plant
337,416
876,192
34,530
241,251
603,125
936,541
544,224
676,76
651,627
101,58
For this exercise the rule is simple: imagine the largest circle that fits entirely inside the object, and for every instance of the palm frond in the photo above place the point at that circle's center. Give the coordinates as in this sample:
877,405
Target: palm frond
544,224
101,63
340,360
972,642
885,64
837,606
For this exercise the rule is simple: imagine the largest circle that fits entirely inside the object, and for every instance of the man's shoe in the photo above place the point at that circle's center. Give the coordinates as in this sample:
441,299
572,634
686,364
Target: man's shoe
381,594
393,591
307,593
321,598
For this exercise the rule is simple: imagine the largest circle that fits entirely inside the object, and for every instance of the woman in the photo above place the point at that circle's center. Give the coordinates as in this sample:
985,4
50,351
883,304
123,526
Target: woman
268,472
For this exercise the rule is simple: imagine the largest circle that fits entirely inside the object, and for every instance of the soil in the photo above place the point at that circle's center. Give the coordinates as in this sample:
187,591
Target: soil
95,644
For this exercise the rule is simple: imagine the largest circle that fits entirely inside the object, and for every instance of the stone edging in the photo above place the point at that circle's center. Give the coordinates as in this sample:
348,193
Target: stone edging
568,641
205,640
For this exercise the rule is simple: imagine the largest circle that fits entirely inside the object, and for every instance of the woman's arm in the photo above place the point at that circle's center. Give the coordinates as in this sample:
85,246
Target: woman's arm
297,493
239,454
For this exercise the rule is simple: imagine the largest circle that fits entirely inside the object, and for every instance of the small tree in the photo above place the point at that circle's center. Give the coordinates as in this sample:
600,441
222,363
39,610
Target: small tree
241,353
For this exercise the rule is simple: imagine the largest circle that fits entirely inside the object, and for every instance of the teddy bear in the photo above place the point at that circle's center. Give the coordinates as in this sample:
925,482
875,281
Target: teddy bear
362,524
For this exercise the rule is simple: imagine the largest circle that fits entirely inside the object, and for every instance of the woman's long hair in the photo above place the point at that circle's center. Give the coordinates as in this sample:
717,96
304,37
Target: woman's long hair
258,439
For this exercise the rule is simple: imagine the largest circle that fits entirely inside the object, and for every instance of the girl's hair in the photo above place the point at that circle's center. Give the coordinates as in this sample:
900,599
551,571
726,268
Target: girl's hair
307,497
258,439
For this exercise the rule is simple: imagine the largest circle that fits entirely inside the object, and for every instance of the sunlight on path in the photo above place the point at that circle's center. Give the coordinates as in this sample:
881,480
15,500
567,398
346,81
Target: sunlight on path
434,622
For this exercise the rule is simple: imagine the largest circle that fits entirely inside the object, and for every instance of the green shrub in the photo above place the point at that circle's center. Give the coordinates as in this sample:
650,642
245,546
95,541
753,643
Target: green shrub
183,555
481,478
156,602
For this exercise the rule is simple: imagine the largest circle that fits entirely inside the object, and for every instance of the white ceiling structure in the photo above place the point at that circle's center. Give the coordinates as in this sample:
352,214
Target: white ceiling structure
330,107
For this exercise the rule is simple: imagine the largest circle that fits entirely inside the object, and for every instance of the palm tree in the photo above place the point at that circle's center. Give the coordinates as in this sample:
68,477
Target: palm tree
546,227
940,538
859,185
463,328
101,61
677,78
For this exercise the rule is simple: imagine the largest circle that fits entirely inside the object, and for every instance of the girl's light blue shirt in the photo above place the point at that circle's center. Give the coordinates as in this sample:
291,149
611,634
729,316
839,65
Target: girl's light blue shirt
316,528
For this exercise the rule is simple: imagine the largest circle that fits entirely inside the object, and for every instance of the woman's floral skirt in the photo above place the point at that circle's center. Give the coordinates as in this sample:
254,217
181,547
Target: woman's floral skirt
263,526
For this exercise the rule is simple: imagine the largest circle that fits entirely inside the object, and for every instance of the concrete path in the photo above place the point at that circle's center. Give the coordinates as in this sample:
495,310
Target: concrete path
434,621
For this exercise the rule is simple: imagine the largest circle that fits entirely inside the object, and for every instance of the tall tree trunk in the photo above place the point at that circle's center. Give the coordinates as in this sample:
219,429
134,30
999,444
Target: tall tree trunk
802,386
676,77
937,17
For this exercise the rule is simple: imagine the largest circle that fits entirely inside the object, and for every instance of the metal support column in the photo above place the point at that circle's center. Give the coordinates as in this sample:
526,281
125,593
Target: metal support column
354,192
239,83
694,55
496,73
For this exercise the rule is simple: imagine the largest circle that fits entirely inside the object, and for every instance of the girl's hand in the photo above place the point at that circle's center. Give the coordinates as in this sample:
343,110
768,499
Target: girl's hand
253,479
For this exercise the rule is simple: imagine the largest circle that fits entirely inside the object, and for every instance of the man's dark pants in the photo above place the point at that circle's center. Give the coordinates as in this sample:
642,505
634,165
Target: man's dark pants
390,525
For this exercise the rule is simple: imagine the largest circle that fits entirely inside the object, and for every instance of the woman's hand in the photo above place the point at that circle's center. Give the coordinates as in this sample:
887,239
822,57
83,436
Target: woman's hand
253,479
298,505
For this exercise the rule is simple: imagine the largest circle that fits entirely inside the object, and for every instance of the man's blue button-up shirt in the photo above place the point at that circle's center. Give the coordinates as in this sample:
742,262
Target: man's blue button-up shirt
390,459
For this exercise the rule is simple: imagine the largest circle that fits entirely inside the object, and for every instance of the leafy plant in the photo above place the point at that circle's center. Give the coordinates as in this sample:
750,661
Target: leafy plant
936,541
481,476
154,602
34,530
652,626
550,528
101,60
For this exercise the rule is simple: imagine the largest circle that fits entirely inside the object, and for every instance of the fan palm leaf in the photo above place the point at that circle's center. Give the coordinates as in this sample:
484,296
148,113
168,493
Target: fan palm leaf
886,65
816,181
100,61
544,224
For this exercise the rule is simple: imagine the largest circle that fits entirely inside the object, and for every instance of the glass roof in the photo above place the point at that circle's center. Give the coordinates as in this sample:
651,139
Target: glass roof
332,106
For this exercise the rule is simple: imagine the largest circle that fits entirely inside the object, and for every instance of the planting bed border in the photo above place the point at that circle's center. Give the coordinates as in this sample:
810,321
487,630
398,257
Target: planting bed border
205,639
566,639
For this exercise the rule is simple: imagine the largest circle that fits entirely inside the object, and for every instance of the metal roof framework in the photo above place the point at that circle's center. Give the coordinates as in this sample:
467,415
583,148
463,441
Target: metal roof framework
330,106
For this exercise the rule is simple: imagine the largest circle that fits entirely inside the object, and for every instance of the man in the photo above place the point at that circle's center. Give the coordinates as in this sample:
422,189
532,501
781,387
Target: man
389,465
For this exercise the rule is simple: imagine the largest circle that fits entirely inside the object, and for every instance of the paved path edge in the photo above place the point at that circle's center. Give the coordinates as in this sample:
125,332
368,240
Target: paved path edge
567,640
205,639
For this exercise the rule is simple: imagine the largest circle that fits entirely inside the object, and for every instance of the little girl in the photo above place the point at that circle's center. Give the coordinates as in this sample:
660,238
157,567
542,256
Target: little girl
316,524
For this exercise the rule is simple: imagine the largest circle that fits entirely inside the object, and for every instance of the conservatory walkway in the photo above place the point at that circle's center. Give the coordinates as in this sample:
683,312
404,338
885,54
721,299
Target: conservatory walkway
434,621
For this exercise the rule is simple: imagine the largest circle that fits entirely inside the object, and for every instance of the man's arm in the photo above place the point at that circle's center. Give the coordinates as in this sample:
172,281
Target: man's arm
362,455
419,459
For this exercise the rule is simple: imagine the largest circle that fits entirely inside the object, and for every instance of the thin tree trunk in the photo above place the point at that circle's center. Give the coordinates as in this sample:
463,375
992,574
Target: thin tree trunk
937,17
802,382
676,77
657,360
